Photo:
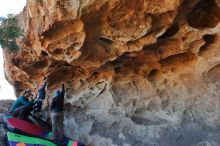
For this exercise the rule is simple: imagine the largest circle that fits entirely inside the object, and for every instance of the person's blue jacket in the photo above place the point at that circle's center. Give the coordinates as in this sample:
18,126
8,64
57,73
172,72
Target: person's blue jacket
21,101
42,92
40,97
58,101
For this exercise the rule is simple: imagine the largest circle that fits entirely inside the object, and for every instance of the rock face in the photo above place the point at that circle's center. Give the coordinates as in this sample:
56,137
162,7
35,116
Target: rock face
4,106
137,72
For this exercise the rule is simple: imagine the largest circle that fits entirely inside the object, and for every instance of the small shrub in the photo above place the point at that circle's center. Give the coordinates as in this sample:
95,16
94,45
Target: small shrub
9,32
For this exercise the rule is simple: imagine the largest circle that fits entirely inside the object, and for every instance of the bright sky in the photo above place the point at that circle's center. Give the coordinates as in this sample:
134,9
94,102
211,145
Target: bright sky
11,6
8,7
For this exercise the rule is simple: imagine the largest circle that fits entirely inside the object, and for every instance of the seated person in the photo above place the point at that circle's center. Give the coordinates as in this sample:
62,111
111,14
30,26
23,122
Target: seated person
23,112
22,100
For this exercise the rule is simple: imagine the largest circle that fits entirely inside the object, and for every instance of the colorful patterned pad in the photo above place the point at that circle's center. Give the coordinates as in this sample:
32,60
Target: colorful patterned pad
21,140
25,127
33,130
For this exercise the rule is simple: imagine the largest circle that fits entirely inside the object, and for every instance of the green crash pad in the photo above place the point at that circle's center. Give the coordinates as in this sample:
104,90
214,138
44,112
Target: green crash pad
15,139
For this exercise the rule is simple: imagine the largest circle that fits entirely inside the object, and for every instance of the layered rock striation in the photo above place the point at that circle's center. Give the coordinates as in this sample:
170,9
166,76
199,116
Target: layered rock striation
137,72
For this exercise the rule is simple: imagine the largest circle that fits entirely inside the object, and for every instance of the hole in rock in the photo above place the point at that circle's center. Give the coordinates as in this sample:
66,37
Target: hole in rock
68,53
170,32
153,72
67,65
117,69
58,51
95,73
108,41
44,53
209,38
204,15
40,64
56,63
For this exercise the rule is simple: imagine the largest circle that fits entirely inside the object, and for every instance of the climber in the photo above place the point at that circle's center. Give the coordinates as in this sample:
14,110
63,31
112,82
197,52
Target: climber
24,99
57,106
40,97
23,112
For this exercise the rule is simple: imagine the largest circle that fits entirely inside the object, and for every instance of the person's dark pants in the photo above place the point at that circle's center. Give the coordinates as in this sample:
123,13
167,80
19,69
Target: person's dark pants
57,126
15,113
22,112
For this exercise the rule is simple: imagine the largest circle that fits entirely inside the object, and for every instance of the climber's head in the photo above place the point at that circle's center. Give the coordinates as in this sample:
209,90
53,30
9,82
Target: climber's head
27,92
32,96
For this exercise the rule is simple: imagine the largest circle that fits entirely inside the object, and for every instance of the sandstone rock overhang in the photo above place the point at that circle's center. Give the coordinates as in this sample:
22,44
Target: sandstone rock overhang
141,72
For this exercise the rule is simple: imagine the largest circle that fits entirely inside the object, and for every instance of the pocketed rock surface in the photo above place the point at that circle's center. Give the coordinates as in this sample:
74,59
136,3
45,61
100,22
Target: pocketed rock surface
137,72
